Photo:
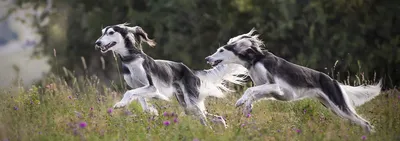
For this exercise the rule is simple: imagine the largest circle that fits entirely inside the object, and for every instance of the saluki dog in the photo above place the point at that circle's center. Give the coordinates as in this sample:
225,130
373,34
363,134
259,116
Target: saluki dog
277,79
163,79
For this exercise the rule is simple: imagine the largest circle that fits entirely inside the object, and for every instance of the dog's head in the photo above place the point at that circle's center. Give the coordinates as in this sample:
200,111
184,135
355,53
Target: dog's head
121,37
242,49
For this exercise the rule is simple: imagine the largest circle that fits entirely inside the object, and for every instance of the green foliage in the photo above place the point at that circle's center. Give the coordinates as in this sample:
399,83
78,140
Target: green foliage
55,110
314,33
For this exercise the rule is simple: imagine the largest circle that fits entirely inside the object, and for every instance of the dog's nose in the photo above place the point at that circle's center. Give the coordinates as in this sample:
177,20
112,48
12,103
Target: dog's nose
98,43
208,58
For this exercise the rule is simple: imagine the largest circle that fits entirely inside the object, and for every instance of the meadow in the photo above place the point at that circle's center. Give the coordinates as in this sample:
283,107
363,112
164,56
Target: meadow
81,110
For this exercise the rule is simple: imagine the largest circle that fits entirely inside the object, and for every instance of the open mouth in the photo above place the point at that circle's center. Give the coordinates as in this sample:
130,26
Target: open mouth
215,63
108,46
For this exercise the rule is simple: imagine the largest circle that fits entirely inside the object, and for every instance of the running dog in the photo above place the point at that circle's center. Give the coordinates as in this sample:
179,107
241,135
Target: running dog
277,79
163,79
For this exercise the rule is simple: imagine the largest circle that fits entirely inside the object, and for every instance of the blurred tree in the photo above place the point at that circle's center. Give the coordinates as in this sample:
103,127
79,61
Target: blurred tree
363,35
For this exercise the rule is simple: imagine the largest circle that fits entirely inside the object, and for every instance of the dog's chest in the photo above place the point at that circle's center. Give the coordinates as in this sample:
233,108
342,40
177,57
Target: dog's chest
258,73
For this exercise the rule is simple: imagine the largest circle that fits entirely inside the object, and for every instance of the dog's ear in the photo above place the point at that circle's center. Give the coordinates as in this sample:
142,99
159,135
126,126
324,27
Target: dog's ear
247,52
250,53
140,35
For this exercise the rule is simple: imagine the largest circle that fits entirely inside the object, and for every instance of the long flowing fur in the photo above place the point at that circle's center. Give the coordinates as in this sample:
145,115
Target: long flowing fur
361,94
214,80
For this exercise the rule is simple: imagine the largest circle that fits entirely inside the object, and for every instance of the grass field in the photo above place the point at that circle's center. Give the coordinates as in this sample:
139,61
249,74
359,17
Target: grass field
81,111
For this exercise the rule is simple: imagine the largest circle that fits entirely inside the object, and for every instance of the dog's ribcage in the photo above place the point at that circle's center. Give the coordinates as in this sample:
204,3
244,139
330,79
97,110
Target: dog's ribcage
260,75
135,78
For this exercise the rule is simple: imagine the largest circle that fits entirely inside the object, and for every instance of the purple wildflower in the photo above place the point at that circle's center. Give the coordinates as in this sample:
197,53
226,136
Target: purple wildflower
298,131
69,97
248,115
243,125
82,124
176,120
110,110
15,108
364,137
166,123
304,111
166,114
278,131
91,108
195,139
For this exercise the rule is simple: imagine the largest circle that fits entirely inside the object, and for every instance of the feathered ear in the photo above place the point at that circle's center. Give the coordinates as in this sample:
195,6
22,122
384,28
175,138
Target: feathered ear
250,52
140,35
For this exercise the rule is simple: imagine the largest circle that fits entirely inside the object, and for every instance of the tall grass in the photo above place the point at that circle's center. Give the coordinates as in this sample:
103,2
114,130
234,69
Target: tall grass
55,110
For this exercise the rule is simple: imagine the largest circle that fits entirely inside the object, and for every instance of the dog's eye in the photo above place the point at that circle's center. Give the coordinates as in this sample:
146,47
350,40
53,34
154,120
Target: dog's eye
111,33
221,50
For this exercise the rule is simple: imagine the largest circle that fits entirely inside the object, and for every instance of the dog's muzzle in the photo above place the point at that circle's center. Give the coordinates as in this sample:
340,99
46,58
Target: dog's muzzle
104,48
211,62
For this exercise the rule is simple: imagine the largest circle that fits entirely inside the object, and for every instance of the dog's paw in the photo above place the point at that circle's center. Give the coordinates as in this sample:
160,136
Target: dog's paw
240,102
152,111
120,105
220,120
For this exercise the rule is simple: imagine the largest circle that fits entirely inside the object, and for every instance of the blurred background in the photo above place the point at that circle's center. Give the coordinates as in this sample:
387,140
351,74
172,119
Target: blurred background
350,40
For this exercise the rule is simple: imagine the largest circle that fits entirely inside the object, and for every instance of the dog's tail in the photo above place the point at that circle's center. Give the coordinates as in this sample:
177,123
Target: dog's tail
214,80
362,94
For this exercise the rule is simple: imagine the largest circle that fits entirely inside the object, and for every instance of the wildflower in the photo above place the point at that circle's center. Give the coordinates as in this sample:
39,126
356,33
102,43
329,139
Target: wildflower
166,123
15,108
298,131
91,108
110,110
278,131
248,115
166,114
304,111
175,120
69,97
195,139
82,124
243,125
364,137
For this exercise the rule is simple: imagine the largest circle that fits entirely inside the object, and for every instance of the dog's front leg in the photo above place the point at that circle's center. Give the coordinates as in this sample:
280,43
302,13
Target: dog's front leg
147,108
258,92
135,93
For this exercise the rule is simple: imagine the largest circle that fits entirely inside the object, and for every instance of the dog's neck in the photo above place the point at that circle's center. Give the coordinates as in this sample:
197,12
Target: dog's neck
127,50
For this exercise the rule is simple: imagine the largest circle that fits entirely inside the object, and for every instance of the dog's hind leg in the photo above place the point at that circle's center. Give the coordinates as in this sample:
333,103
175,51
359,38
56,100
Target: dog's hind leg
336,99
348,114
214,118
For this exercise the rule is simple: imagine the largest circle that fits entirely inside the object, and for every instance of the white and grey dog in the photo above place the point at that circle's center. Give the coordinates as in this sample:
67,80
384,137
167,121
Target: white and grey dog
163,79
277,79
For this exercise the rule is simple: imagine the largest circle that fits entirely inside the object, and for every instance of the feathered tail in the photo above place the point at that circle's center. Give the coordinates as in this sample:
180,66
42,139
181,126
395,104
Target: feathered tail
362,94
213,81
